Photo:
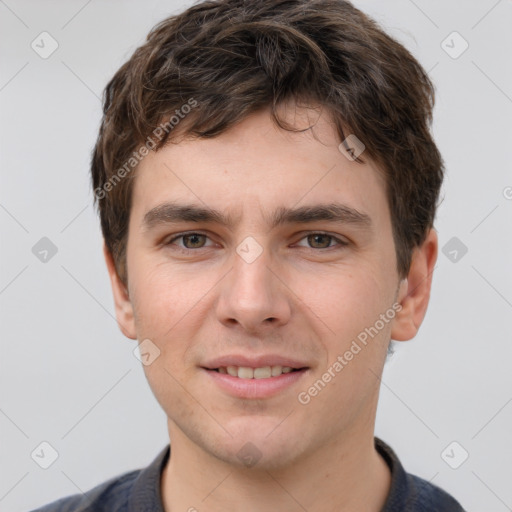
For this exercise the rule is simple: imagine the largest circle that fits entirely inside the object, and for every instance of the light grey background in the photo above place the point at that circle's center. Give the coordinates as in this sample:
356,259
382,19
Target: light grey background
69,377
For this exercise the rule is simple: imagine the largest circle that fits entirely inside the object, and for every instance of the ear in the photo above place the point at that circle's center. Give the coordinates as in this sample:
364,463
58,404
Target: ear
414,292
124,308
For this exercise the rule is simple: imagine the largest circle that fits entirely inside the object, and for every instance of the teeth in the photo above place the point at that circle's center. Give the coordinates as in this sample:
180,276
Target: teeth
244,372
262,373
276,370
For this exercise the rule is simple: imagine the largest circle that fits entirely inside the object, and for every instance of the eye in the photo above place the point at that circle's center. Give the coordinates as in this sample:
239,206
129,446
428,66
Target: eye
195,240
190,241
322,240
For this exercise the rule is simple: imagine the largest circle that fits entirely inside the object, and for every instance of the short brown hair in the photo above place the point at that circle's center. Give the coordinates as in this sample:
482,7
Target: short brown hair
235,57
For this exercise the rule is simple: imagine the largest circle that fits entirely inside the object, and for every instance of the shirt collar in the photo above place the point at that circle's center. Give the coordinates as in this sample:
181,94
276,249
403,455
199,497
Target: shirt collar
146,493
399,483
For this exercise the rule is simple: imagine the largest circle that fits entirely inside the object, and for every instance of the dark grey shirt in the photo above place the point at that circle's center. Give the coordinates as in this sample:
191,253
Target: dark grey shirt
139,491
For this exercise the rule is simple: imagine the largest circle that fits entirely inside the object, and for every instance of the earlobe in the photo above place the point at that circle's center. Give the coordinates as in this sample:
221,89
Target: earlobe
123,305
414,292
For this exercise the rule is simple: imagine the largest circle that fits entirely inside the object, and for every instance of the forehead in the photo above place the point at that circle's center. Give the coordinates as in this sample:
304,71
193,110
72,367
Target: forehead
256,167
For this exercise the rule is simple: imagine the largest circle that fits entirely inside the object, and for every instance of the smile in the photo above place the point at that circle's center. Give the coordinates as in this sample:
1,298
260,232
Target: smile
255,383
265,372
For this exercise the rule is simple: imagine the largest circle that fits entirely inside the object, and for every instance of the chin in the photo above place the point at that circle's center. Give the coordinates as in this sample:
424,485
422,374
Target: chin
253,457
260,445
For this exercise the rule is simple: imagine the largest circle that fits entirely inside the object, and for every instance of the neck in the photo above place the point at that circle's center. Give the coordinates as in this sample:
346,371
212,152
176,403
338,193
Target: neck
346,475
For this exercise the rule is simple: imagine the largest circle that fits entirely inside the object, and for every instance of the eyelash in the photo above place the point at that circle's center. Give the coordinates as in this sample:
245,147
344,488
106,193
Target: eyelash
185,250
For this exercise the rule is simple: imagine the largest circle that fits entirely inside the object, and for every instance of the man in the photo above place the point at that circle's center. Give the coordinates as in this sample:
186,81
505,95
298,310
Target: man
267,186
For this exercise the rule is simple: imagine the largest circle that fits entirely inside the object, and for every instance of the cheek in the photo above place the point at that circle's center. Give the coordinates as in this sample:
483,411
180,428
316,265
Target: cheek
350,301
350,308
170,305
156,308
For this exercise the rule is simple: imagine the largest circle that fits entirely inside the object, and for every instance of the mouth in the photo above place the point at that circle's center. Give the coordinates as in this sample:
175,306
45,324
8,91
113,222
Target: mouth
254,383
264,372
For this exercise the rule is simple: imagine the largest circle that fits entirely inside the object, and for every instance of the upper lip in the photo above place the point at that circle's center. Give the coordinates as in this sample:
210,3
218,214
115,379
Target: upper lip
253,362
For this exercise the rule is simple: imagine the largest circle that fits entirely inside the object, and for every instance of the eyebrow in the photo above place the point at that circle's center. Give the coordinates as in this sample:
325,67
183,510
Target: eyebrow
172,212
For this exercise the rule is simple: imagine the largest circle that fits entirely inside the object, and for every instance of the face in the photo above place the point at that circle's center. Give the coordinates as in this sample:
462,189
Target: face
273,274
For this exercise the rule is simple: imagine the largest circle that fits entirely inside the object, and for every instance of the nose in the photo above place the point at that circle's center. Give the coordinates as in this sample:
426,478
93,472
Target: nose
254,295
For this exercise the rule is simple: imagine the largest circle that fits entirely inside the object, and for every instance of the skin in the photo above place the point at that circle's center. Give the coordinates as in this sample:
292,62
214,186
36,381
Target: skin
207,302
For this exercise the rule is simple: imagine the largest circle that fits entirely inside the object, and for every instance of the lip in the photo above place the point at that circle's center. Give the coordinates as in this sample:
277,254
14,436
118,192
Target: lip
255,388
254,362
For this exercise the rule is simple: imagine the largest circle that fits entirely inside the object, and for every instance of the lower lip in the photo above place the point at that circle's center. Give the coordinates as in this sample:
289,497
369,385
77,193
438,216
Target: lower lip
255,388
